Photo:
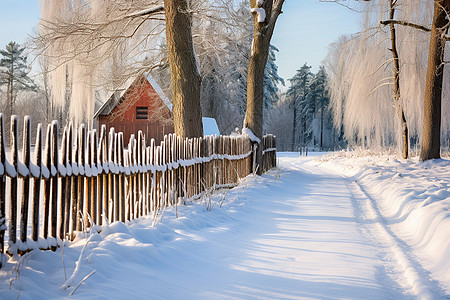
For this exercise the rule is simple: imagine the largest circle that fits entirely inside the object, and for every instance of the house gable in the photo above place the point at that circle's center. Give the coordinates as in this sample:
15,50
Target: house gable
140,107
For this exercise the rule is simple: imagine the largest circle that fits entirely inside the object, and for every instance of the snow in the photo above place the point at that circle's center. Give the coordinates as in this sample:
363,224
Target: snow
248,132
210,126
332,226
260,12
159,91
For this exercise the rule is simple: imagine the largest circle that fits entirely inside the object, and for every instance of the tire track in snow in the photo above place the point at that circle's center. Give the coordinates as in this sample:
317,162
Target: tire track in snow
407,272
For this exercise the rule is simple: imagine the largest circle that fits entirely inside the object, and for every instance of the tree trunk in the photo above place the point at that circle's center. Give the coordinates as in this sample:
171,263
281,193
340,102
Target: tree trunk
294,125
184,71
396,71
321,128
262,34
433,86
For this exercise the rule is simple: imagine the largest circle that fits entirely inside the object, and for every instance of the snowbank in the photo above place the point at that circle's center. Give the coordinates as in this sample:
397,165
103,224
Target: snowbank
413,198
298,232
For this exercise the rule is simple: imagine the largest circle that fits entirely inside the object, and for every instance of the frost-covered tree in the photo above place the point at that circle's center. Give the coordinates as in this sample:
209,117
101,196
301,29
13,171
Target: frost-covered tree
364,77
317,103
297,92
223,42
14,72
361,79
93,46
313,118
271,79
265,15
279,123
271,82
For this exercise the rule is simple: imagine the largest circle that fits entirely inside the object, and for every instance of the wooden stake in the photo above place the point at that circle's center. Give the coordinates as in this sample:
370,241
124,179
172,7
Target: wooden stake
13,191
37,184
2,188
26,180
54,177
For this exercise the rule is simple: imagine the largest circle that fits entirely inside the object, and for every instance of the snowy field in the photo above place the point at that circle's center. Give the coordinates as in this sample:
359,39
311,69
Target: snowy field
334,226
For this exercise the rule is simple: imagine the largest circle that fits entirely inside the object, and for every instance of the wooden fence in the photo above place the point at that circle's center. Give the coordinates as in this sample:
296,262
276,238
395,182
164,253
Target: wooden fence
72,183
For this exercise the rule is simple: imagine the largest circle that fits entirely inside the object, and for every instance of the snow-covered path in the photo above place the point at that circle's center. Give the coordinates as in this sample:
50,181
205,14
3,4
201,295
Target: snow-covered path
299,239
301,232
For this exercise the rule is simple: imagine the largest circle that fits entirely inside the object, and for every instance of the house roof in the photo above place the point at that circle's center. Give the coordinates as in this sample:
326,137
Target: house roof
117,95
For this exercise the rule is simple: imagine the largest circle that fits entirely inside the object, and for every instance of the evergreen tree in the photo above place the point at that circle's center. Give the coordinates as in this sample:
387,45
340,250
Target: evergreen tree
316,102
14,73
271,79
297,92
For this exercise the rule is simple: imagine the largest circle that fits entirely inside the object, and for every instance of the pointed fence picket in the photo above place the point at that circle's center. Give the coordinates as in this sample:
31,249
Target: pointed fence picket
86,178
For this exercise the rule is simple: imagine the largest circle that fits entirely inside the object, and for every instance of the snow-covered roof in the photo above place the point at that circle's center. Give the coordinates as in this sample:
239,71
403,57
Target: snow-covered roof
159,91
210,126
115,97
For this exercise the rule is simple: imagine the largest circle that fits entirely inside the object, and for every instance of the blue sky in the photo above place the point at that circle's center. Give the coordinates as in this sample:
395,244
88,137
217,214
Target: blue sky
17,19
303,31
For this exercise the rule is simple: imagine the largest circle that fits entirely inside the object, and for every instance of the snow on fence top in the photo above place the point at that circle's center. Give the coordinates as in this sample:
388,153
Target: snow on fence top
91,175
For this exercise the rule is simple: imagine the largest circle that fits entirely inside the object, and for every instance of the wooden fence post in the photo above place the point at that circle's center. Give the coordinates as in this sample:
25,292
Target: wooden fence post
2,188
111,147
103,159
67,162
146,177
54,179
275,152
37,184
115,188
148,193
75,179
181,171
169,154
138,153
81,182
164,178
121,177
153,164
128,186
26,179
94,171
63,190
88,179
47,186
13,191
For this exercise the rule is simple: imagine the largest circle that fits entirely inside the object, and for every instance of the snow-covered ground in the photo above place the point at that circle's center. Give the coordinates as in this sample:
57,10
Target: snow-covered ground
318,227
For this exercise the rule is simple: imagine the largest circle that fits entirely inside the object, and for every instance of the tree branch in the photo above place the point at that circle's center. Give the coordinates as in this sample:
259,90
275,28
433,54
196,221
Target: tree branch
404,23
146,12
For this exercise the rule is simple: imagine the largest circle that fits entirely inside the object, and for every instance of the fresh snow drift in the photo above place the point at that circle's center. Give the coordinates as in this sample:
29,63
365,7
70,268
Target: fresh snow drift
324,227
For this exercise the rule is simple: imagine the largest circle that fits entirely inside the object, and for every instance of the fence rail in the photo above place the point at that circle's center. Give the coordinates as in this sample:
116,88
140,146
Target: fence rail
74,183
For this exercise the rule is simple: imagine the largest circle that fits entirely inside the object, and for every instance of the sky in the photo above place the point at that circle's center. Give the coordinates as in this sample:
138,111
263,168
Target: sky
305,29
302,34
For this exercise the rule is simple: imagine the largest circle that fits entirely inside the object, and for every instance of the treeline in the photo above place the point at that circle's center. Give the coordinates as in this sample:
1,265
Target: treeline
301,117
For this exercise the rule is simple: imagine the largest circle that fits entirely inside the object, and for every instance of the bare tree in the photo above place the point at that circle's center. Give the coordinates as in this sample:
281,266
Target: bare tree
265,14
95,45
431,138
396,70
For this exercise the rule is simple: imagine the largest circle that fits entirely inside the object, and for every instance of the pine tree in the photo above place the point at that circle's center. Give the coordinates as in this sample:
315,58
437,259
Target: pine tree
271,79
14,73
317,101
299,89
